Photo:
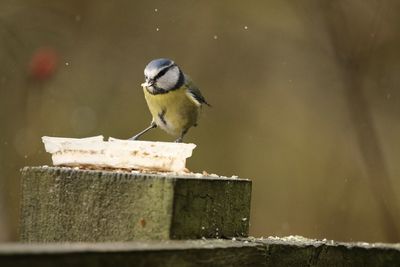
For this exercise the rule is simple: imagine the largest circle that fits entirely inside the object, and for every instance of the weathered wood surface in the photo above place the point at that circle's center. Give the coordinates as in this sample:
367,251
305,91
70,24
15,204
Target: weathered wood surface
64,204
277,252
161,253
118,154
298,251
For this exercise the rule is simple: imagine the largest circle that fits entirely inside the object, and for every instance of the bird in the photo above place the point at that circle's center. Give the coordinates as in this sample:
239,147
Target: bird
172,98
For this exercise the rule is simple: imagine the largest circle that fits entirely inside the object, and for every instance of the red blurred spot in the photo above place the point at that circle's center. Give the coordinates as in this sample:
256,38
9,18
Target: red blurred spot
43,63
142,222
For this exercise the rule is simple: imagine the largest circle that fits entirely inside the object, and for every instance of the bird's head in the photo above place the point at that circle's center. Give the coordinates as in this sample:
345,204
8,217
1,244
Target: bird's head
162,75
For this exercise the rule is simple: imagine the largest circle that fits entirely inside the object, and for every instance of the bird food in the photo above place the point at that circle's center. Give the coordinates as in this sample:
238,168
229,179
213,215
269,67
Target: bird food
94,152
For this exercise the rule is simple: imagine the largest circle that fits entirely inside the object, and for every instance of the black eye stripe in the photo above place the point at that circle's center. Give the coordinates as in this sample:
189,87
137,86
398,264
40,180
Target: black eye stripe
163,71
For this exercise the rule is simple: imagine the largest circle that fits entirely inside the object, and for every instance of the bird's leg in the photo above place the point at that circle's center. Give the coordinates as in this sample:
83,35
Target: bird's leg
136,137
180,138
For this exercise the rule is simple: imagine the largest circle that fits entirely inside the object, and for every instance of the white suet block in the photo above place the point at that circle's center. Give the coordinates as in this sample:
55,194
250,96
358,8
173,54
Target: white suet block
94,152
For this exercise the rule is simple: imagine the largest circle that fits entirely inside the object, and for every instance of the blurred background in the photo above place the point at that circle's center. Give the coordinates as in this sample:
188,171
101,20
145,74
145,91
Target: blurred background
305,97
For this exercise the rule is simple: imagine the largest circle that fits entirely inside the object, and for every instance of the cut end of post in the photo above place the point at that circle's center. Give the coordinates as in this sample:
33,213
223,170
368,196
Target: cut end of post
94,152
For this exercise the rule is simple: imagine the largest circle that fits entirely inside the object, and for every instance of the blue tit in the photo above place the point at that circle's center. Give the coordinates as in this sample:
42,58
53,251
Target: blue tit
173,100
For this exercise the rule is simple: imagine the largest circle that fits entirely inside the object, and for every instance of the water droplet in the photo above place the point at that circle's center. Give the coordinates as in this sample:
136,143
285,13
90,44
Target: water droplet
156,10
66,63
157,29
215,37
245,27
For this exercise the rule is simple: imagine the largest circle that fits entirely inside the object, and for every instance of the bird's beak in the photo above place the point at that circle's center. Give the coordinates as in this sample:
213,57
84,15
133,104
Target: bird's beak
148,83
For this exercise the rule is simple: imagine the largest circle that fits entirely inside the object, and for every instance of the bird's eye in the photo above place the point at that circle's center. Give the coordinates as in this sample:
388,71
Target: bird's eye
162,72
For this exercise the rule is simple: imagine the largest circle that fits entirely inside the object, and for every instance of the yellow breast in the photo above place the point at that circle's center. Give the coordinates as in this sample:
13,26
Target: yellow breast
174,111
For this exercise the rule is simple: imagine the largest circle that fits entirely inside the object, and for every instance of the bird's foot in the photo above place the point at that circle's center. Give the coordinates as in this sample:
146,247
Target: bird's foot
179,140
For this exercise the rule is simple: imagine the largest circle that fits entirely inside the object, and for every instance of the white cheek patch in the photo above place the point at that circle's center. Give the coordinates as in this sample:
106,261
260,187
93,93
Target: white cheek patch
169,79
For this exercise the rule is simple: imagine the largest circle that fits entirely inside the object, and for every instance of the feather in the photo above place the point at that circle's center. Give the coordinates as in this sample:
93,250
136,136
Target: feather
194,93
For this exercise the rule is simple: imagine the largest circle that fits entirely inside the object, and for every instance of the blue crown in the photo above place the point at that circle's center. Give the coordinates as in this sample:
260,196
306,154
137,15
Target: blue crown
159,63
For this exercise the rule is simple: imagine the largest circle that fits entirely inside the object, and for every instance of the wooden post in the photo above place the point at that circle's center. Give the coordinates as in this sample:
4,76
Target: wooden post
66,204
145,253
275,252
299,251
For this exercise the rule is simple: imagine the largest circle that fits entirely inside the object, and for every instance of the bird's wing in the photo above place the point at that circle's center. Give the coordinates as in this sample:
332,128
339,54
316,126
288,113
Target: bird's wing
194,93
